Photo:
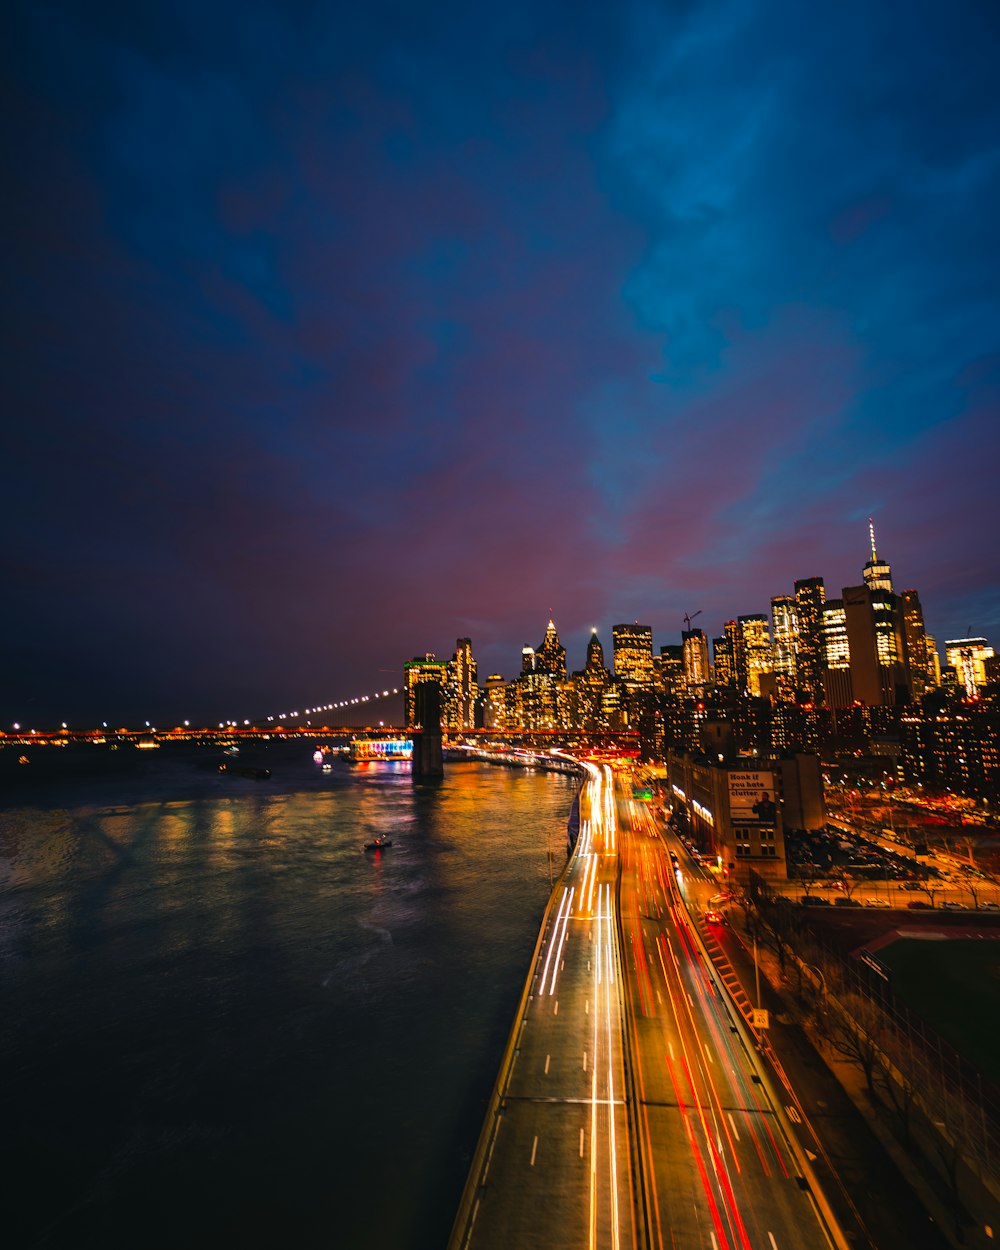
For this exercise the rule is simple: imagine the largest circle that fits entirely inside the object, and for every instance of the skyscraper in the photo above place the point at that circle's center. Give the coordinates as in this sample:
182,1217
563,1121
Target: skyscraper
550,656
877,574
461,688
810,595
696,670
415,671
754,657
633,652
837,689
722,655
915,639
968,656
785,626
875,638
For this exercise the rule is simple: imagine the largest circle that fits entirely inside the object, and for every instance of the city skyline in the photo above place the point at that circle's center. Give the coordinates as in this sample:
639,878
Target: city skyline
329,332
379,699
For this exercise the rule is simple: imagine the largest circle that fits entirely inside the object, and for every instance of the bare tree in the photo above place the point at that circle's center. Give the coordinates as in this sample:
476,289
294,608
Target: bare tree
851,1027
900,1093
929,886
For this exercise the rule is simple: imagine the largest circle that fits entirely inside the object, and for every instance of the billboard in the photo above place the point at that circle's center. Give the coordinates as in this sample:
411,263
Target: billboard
751,799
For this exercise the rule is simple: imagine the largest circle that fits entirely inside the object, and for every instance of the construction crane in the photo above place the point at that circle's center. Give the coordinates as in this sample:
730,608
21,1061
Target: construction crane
689,619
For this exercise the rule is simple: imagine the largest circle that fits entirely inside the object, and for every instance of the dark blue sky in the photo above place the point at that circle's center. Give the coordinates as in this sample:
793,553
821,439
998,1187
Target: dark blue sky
336,332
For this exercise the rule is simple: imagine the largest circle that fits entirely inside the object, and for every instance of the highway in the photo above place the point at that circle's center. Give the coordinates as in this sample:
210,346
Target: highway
553,1167
720,1172
630,1110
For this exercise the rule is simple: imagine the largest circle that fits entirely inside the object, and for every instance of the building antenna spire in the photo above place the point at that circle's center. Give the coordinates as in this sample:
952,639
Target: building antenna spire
871,535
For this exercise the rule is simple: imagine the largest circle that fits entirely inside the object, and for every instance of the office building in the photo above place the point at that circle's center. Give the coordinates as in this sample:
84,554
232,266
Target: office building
968,656
785,627
875,639
633,654
810,595
420,669
754,653
697,674
461,688
915,640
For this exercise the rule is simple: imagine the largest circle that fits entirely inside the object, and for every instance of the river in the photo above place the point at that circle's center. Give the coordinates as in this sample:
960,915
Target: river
223,1023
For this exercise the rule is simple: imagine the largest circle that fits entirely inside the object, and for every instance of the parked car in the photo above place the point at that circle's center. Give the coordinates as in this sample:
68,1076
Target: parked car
918,904
846,902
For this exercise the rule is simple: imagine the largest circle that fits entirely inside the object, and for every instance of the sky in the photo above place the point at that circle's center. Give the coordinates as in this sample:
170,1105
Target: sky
333,333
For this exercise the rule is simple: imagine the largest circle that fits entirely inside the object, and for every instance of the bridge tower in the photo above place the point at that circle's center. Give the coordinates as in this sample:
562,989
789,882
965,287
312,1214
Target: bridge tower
428,758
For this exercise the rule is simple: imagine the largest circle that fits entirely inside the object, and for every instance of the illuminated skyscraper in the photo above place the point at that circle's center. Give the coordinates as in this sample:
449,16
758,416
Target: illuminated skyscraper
696,671
837,689
810,595
877,574
754,653
671,661
461,688
933,661
425,668
633,654
494,703
590,685
915,638
968,656
722,655
550,657
875,638
785,625
595,654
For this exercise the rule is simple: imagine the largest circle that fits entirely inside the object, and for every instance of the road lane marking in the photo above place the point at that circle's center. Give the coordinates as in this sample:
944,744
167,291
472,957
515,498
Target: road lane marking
770,1237
581,1143
733,1123
586,1006
534,1147
547,1058
555,1009
585,1061
707,1051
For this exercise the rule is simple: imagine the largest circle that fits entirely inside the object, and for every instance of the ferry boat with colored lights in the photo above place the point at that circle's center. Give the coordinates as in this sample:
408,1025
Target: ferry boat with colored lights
374,749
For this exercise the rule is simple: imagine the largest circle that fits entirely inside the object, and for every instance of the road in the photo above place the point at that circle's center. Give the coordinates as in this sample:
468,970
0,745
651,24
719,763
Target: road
554,1165
720,1172
632,1109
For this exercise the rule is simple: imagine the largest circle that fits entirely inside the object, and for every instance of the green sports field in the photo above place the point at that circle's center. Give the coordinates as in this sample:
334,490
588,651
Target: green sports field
955,986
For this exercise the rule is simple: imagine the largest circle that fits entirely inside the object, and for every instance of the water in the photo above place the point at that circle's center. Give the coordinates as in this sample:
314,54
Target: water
224,1024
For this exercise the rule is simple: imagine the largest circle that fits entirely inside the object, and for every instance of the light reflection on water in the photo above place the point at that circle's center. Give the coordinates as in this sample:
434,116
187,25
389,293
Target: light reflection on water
224,1023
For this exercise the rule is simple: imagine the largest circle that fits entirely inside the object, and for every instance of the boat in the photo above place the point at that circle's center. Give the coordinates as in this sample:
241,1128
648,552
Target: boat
241,770
379,844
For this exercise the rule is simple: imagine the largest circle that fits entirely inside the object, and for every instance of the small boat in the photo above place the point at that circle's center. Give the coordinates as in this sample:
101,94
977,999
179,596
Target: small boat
380,844
241,770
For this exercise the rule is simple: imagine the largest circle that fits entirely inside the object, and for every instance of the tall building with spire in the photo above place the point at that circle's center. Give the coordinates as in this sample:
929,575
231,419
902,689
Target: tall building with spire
550,655
590,685
875,635
877,574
